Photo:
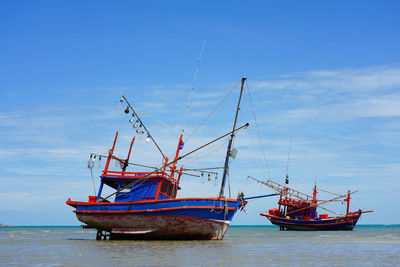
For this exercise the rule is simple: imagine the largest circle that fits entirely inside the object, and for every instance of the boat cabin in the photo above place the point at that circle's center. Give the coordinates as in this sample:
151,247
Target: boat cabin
158,184
298,209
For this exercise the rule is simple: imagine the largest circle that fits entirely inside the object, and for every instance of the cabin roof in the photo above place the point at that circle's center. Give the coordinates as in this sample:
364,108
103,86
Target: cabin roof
114,181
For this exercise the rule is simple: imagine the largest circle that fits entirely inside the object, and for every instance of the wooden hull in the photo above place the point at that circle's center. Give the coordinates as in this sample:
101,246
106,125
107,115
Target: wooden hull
329,224
177,219
156,227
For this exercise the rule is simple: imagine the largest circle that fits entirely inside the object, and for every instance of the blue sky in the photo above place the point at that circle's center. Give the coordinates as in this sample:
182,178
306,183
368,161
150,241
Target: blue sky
324,76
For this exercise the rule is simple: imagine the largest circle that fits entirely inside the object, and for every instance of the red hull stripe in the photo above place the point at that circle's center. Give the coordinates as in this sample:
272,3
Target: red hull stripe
316,224
343,222
70,202
146,210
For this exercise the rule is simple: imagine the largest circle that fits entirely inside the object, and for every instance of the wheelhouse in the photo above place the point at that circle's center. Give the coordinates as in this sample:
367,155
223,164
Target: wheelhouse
155,187
140,186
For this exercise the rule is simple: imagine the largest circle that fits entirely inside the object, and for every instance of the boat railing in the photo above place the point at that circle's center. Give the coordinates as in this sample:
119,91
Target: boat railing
138,175
293,202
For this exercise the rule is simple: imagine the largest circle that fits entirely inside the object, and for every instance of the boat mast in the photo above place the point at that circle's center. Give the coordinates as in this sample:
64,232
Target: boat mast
228,152
348,202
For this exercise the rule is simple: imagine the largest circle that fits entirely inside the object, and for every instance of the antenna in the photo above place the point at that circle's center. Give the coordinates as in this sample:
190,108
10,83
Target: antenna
287,163
193,83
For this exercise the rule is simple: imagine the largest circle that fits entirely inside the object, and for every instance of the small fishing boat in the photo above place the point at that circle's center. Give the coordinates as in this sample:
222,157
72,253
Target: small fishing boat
298,211
145,205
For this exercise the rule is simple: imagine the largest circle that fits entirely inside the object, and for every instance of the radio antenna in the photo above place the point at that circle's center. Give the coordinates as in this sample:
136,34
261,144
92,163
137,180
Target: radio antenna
193,83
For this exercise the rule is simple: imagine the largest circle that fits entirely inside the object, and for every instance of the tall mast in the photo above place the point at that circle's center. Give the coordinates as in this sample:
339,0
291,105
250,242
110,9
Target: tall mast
228,152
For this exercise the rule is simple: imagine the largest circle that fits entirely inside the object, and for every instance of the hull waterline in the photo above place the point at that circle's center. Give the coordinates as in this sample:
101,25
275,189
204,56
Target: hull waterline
330,224
185,219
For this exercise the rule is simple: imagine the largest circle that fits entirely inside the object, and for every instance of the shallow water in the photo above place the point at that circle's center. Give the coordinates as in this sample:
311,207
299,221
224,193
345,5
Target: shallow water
242,245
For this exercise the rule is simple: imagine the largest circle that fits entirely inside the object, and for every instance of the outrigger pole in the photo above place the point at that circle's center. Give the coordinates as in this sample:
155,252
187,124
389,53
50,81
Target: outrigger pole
141,123
179,158
228,152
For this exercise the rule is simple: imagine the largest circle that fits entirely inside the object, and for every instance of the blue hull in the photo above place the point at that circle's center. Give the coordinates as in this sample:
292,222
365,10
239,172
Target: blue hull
191,218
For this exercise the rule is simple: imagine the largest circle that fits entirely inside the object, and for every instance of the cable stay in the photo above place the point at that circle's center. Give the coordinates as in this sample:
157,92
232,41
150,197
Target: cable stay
193,83
212,111
326,201
328,192
230,143
174,161
129,163
283,189
258,132
139,124
287,163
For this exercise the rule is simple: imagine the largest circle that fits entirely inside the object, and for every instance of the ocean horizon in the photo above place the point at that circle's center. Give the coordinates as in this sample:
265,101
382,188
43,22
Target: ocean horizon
253,245
241,225
231,226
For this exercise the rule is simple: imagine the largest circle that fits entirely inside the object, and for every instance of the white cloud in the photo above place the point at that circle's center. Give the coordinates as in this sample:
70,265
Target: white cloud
326,113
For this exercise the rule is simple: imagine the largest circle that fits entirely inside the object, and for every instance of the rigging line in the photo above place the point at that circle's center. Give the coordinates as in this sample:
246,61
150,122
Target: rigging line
328,192
178,159
193,83
143,179
258,130
215,108
229,185
94,188
206,152
209,151
151,117
148,133
323,202
129,163
203,169
288,157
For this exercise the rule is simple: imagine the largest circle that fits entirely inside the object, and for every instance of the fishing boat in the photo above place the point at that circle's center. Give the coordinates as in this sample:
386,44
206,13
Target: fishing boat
298,211
145,205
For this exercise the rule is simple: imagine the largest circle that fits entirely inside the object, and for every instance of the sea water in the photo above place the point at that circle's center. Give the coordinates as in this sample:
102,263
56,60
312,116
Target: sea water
373,245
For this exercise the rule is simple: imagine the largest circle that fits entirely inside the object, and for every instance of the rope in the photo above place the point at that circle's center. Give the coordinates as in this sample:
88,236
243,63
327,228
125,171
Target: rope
215,108
229,185
258,130
328,192
193,83
94,188
288,157
178,159
212,149
151,117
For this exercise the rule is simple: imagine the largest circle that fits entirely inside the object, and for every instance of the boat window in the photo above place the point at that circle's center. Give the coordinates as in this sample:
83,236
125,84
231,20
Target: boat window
164,186
169,190
173,192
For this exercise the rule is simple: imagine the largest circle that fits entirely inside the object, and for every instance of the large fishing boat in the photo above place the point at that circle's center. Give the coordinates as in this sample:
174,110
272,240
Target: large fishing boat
144,205
298,211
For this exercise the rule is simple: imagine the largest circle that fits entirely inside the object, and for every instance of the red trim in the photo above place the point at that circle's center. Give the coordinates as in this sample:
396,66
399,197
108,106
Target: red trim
70,202
319,224
274,218
147,210
165,194
158,190
367,211
136,175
